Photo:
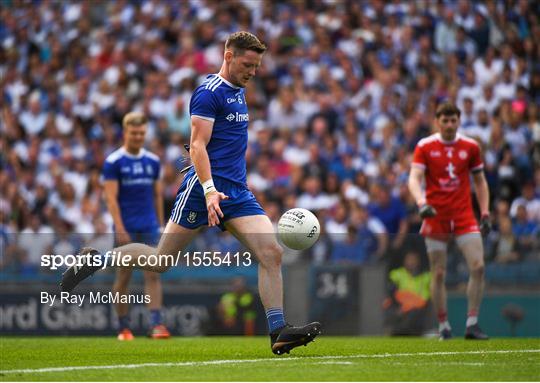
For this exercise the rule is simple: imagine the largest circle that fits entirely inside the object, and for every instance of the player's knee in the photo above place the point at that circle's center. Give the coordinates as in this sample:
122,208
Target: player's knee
439,275
271,255
123,277
477,269
151,277
159,269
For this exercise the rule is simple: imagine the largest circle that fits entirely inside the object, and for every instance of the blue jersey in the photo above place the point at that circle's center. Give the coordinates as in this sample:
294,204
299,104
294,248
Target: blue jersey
136,175
224,104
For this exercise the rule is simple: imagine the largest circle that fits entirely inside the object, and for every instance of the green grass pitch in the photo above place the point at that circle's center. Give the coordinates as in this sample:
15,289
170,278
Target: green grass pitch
250,359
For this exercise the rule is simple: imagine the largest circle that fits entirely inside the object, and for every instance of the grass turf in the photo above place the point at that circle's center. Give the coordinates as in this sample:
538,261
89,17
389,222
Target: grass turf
250,359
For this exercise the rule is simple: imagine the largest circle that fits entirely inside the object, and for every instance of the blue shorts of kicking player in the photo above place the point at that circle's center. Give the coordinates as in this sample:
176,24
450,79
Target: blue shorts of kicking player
190,210
148,236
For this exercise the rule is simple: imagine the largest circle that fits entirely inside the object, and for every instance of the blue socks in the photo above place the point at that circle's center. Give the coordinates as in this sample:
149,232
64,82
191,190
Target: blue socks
123,322
155,317
275,319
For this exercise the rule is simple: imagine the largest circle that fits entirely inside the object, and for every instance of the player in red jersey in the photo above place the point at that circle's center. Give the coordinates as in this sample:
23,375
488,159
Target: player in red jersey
444,161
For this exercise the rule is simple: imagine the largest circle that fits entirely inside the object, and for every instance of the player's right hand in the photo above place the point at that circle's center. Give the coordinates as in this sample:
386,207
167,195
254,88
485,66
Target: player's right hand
485,225
427,211
122,238
212,205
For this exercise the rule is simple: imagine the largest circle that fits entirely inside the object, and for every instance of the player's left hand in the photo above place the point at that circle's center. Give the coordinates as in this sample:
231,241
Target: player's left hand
427,211
212,205
485,224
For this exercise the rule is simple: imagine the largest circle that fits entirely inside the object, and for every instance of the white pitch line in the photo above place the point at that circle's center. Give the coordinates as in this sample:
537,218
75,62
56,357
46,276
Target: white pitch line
273,360
441,364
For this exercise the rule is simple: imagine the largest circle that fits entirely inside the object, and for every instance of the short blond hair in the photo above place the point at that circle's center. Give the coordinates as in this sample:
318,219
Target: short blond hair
134,119
242,41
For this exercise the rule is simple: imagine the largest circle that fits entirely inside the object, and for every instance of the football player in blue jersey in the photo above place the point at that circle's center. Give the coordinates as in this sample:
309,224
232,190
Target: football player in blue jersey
215,193
133,196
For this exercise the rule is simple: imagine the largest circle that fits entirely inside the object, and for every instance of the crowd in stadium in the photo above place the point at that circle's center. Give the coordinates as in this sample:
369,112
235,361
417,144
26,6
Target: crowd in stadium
346,90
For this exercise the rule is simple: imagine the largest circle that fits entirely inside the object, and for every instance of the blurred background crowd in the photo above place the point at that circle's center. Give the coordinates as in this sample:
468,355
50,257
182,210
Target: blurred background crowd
346,90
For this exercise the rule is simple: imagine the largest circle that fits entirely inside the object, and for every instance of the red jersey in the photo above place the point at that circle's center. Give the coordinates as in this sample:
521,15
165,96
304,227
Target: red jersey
447,167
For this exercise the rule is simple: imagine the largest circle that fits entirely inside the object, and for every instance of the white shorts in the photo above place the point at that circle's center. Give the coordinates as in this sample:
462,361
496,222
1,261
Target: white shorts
435,245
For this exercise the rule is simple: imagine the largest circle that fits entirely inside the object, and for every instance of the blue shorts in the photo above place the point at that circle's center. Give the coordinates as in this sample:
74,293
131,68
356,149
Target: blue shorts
190,210
148,236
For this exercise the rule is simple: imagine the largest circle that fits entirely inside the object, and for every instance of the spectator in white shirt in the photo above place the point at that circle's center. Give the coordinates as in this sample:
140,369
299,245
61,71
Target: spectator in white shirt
468,116
336,225
298,153
469,89
487,100
33,119
481,129
530,201
506,89
313,198
445,33
464,17
64,118
282,111
487,68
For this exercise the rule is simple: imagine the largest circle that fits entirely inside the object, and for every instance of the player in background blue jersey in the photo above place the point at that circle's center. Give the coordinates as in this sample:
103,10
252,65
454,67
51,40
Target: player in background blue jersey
133,196
214,191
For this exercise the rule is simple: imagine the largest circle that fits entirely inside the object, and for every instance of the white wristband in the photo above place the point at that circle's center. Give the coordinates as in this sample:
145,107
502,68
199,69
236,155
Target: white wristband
208,186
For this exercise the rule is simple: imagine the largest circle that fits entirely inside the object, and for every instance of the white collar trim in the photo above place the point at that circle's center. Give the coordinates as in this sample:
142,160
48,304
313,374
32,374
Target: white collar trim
439,137
133,156
227,82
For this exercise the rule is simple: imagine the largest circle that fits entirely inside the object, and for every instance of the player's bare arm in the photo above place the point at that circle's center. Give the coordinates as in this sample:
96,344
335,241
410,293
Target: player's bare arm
482,192
482,196
111,199
416,179
201,131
